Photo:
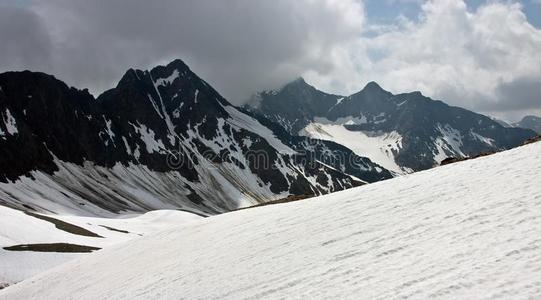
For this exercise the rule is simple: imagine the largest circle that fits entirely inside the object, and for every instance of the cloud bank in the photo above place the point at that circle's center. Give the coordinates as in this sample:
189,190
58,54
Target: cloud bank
486,60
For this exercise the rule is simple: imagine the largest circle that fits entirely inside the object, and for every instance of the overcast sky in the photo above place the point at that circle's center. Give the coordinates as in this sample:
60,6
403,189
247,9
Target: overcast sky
482,55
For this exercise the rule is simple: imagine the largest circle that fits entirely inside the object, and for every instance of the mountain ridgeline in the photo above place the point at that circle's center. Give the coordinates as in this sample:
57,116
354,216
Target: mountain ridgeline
404,133
161,139
165,139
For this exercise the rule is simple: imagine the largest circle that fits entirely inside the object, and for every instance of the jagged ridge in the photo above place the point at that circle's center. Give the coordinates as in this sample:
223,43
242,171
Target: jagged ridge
164,123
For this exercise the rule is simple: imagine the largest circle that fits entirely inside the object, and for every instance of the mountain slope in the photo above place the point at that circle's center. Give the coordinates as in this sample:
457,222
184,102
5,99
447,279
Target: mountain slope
450,237
161,139
403,133
530,122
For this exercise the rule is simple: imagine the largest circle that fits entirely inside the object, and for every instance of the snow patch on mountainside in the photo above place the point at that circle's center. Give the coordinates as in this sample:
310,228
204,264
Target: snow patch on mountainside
148,138
241,120
167,80
483,139
381,148
440,233
448,143
10,123
110,133
451,137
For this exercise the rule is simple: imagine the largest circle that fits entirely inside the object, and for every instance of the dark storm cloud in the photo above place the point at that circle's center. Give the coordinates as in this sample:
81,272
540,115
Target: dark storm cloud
237,45
520,94
23,39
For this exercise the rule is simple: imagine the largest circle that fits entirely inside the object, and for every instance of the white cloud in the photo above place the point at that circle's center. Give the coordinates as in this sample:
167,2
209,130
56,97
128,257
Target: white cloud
465,58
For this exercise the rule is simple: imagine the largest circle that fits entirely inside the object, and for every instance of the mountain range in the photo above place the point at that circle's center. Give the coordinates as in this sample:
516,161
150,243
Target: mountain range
403,133
161,139
165,139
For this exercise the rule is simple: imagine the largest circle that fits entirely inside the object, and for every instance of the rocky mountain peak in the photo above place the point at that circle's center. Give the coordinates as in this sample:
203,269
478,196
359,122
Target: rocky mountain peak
372,92
297,85
372,85
415,131
530,122
129,77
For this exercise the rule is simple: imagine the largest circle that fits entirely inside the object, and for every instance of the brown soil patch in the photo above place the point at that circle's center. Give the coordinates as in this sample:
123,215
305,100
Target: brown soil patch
533,140
452,160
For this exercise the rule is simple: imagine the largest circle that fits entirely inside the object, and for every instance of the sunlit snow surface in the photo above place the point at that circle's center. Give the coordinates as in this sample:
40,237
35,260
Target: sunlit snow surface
380,148
469,230
18,228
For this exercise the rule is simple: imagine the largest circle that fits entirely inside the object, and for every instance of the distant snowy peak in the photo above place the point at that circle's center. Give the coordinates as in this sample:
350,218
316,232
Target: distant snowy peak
424,131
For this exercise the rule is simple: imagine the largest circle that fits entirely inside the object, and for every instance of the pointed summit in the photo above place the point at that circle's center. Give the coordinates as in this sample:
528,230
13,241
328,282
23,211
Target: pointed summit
178,64
299,82
300,79
131,75
373,86
372,92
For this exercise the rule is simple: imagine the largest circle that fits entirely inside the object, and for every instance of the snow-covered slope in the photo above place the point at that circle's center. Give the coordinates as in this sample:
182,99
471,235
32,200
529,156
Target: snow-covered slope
19,228
380,148
469,230
91,190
